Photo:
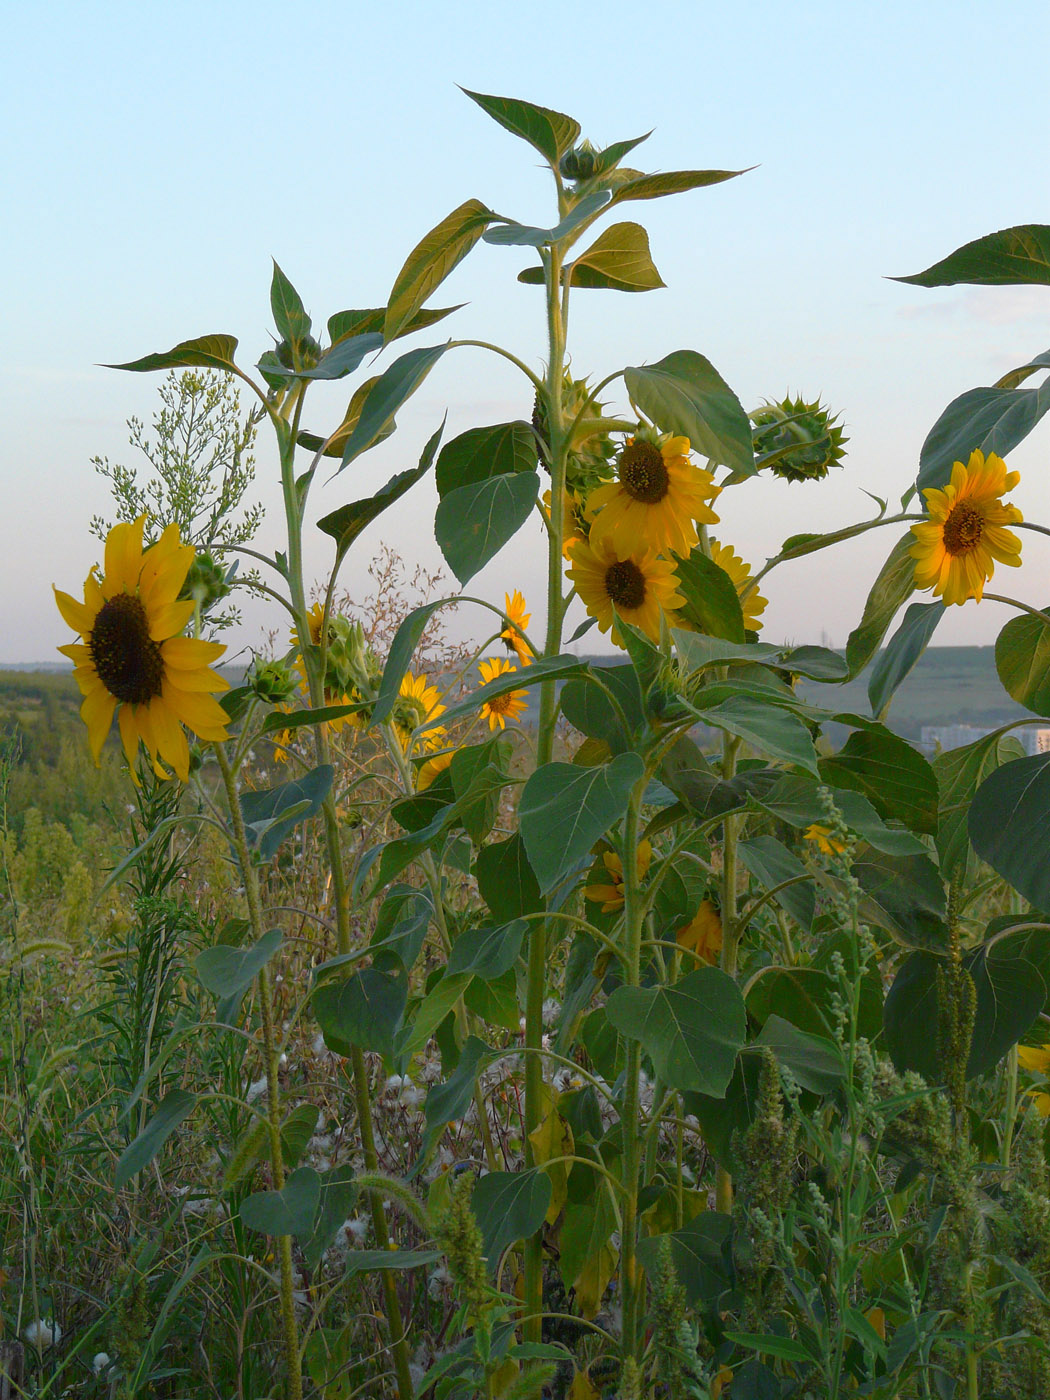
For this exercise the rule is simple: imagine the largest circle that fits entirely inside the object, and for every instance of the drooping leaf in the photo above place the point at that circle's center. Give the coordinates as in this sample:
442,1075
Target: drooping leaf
341,359
394,387
479,773
796,800
565,809
176,1105
525,235
671,182
506,880
960,772
431,261
345,524
816,663
893,587
684,393
339,1191
401,928
549,132
207,352
698,1251
770,729
451,1099
487,952
772,864
1022,659
711,601
509,1206
605,704
227,971
399,658
290,1211
897,779
427,1015
474,522
547,668
618,260
363,1010
905,896
994,420
692,1030
901,653
271,814
1011,257
1009,825
480,453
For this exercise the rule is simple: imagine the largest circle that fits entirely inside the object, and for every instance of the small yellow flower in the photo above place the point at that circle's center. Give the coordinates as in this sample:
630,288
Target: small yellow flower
1036,1060
641,586
958,547
510,636
822,838
703,933
511,705
432,768
658,497
610,897
418,701
132,653
752,603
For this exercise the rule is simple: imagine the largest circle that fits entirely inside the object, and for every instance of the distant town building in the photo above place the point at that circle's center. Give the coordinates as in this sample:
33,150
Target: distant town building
955,736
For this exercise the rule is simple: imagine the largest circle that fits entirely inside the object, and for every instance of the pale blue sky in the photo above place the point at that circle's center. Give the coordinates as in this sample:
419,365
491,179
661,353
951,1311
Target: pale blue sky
157,155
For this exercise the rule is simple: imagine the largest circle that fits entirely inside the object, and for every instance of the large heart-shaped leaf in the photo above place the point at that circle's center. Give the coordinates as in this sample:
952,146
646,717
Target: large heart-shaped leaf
1022,659
487,952
769,728
1009,825
271,814
960,772
549,132
618,260
227,971
564,809
994,420
692,1030
498,450
896,778
290,1211
474,522
684,393
363,1010
509,1206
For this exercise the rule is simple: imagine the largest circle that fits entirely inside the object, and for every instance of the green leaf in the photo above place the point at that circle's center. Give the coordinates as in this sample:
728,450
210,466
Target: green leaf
671,182
698,1254
905,896
393,388
796,800
399,658
1013,377
270,814
344,324
339,1192
814,1061
549,132
401,928
994,420
473,523
816,663
367,1261
487,952
1022,658
768,728
172,1109
277,721
1013,256
227,972
430,262
697,651
767,1344
479,773
429,1013
296,1131
341,359
587,704
565,809
618,260
481,453
512,234
363,1010
207,351
289,314
684,393
901,653
506,880
960,772
896,778
692,1030
290,1211
509,1206
771,863
1009,826
711,600
448,1101
346,523
547,668
893,587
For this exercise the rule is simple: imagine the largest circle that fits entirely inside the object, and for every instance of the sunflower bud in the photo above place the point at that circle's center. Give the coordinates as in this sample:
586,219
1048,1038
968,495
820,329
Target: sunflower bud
579,163
207,582
797,441
271,681
304,354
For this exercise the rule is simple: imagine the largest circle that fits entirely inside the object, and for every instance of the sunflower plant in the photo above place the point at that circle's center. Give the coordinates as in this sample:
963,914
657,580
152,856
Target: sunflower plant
658,898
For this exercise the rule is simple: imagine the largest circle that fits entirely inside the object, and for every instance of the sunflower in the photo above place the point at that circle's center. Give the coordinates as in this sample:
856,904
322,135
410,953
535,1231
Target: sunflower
131,652
610,897
433,768
959,545
418,701
639,585
510,636
752,603
509,706
703,933
657,498
825,842
1036,1060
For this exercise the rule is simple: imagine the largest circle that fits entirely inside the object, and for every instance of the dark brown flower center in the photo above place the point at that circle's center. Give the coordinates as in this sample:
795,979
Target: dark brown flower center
643,472
625,584
963,528
128,661
502,704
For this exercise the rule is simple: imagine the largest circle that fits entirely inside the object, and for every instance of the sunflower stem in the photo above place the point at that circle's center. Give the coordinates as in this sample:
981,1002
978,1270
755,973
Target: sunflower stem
731,930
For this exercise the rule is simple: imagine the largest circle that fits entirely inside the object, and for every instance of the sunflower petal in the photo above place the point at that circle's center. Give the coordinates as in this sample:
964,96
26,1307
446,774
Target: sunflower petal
169,620
196,710
123,557
74,614
171,741
97,714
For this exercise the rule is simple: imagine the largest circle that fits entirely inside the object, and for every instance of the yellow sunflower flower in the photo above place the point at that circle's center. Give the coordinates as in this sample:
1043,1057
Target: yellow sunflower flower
501,708
418,701
433,768
751,601
703,933
958,547
511,638
657,498
640,585
1036,1060
132,655
610,896
822,838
